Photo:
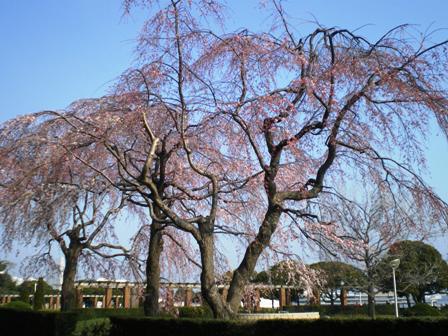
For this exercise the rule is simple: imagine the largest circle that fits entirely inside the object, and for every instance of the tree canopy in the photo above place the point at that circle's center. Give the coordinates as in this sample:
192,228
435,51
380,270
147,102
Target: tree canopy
338,276
422,270
7,284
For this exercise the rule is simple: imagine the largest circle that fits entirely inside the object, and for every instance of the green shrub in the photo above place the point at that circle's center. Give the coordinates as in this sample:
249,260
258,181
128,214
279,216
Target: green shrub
195,312
167,314
19,305
312,308
289,309
444,310
95,327
38,299
385,309
24,294
421,309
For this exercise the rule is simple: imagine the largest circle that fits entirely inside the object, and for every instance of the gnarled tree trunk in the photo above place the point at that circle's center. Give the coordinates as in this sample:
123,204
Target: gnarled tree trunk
68,293
152,293
246,268
209,288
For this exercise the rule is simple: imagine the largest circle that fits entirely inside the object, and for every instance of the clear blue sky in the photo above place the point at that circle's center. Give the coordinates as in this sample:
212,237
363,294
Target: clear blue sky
53,52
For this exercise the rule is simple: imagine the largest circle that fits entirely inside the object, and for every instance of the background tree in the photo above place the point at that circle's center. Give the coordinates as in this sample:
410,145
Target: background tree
339,277
290,273
367,229
7,284
422,270
48,197
39,298
28,287
285,272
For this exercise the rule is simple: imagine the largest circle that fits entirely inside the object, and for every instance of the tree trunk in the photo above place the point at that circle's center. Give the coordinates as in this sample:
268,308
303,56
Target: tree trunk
152,293
343,297
370,286
246,268
332,299
209,290
419,297
68,292
371,299
408,300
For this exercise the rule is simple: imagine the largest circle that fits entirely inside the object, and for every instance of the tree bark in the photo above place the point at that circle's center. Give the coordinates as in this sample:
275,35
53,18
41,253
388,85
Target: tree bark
152,293
68,292
408,300
209,289
246,268
371,299
420,297
370,286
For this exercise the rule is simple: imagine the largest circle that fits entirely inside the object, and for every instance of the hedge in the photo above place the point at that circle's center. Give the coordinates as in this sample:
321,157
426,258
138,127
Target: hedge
422,309
336,327
95,327
19,305
170,327
195,312
345,310
95,313
444,310
22,322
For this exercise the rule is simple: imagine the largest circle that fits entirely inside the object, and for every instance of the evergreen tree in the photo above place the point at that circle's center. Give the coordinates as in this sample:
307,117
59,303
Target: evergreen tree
422,270
39,299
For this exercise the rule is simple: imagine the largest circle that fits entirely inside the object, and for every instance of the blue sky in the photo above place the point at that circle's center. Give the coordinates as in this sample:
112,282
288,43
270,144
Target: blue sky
56,51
